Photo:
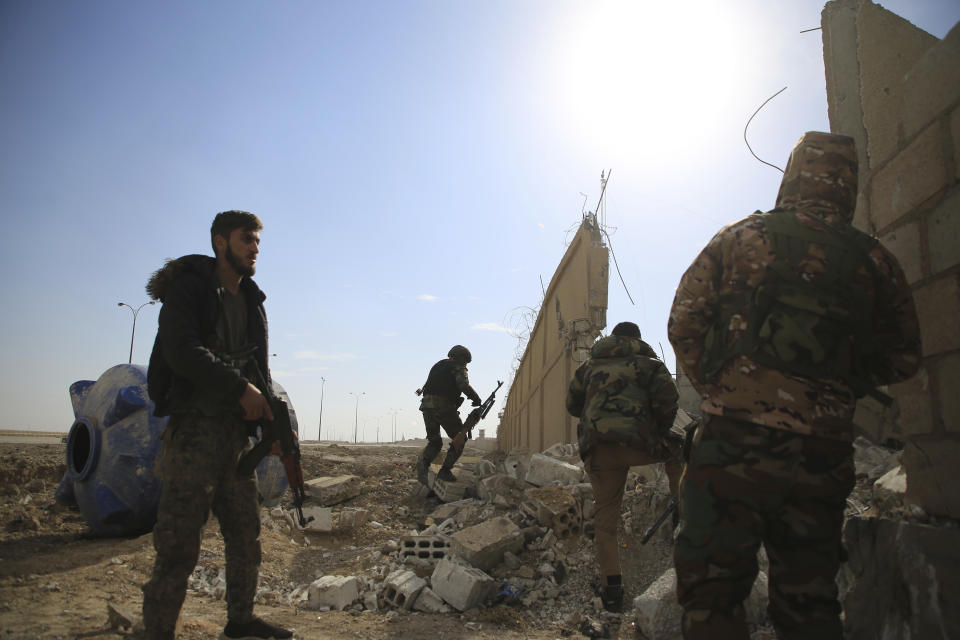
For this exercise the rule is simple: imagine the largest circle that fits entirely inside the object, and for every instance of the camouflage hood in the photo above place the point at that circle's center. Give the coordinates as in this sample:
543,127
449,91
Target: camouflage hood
162,277
621,347
821,176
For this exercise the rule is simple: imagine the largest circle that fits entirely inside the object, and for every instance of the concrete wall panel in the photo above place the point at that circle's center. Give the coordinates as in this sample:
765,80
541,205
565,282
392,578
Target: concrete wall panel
932,84
904,242
571,316
938,306
914,175
944,234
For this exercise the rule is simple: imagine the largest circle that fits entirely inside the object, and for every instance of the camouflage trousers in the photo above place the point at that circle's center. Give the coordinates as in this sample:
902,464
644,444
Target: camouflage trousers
747,484
199,473
607,465
449,420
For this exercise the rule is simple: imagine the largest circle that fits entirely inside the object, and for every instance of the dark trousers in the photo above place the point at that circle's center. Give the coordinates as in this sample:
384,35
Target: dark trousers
199,472
449,421
746,484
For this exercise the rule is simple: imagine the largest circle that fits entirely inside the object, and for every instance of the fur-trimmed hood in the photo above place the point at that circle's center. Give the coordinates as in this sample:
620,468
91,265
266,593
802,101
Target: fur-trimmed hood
173,267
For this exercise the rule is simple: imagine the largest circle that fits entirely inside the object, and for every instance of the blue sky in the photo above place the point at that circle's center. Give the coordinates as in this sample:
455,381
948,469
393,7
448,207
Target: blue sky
418,167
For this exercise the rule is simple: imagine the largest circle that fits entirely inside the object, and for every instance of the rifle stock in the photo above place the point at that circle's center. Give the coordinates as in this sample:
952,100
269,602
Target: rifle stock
652,529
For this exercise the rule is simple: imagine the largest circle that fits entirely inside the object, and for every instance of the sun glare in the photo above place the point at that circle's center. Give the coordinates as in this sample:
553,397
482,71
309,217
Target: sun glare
632,76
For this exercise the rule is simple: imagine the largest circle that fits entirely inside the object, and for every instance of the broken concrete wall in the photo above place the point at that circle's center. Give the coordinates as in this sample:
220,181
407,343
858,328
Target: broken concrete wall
573,312
896,90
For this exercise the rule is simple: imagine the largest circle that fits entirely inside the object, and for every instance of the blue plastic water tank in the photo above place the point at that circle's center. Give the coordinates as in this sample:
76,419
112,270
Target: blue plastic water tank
113,454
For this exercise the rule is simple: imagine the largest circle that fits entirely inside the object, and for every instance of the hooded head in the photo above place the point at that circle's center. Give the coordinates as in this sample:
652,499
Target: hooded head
821,176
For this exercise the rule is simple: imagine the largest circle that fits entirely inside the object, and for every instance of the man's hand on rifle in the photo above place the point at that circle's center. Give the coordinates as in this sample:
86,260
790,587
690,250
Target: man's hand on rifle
255,405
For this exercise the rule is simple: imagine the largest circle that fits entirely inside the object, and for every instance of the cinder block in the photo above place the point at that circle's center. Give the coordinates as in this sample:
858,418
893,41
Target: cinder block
938,306
545,470
915,402
483,545
501,489
429,602
322,519
915,174
336,592
516,466
556,508
431,548
352,518
904,243
943,230
402,588
460,586
447,491
333,490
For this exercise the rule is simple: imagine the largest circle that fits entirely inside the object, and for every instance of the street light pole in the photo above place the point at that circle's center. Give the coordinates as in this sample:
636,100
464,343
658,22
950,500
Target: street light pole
356,408
134,330
320,426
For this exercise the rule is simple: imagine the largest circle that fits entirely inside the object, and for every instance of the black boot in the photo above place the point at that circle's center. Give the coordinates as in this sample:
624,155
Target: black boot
446,475
422,471
612,594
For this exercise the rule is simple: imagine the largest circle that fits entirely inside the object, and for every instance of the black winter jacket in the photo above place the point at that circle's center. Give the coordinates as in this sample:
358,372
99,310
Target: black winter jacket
182,363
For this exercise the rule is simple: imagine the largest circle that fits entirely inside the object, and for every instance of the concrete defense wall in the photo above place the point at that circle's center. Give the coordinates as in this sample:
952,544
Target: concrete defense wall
896,90
573,312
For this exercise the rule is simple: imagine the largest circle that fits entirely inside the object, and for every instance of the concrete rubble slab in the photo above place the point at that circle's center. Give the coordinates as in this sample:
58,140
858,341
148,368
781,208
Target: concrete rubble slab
516,465
402,587
500,489
557,508
483,545
431,548
447,491
545,470
322,519
460,586
333,490
658,614
336,592
889,492
429,602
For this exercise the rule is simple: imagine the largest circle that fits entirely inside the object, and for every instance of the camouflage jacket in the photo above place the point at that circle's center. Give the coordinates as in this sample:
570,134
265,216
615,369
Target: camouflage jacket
623,393
819,187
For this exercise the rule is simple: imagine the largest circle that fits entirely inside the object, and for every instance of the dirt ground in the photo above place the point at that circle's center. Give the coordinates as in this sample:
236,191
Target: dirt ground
57,580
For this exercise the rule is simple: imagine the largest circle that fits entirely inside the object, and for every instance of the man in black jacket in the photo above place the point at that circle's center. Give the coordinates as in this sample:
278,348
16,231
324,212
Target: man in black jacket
212,338
441,399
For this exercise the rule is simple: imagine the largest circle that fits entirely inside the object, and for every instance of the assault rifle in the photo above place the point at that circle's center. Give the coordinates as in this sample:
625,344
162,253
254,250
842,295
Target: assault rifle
652,529
279,430
480,412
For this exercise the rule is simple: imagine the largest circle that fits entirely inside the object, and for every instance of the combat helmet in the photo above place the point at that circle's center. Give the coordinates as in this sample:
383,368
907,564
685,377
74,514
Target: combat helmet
461,353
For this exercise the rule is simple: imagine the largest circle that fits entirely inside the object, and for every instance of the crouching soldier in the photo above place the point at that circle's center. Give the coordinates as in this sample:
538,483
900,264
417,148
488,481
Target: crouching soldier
441,399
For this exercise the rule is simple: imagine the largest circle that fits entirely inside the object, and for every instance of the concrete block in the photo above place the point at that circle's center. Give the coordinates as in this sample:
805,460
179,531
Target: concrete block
658,614
913,176
916,405
460,586
904,243
932,85
429,602
402,587
516,466
948,376
483,545
322,519
352,518
431,548
447,491
501,489
943,229
931,464
545,470
336,592
556,508
938,307
333,490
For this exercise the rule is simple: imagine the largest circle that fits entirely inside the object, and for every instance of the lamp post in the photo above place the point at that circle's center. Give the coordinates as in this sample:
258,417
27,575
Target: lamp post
320,426
356,408
393,425
134,330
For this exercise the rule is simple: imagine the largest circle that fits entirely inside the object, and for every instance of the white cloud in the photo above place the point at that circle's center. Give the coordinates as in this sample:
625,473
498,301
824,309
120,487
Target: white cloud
489,326
311,354
426,297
